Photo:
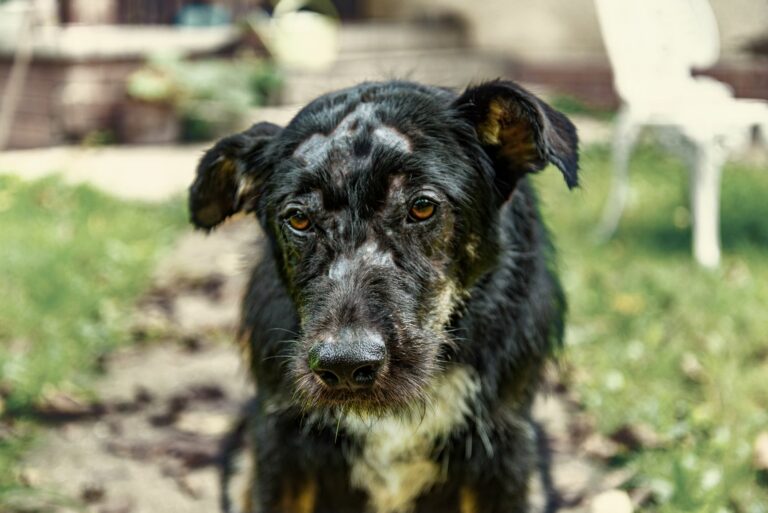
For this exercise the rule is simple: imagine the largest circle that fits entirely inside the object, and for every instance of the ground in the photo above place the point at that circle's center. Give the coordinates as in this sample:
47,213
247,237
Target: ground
660,392
151,441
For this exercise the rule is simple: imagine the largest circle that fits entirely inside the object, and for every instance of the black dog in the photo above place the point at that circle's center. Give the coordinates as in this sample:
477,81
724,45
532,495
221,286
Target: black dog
399,320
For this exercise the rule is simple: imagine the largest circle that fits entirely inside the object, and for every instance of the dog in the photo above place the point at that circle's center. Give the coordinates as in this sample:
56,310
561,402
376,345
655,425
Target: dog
405,304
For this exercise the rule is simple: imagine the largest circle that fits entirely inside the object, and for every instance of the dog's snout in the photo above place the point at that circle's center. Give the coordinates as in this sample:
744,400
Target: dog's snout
349,361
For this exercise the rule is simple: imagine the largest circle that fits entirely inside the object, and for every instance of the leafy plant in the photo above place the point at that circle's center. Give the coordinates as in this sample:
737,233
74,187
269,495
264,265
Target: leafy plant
210,96
655,340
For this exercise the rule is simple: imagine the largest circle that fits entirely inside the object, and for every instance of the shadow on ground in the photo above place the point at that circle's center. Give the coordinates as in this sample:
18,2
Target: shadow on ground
150,441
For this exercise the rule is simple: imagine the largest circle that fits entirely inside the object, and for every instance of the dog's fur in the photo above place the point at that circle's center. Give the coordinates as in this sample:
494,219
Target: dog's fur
466,302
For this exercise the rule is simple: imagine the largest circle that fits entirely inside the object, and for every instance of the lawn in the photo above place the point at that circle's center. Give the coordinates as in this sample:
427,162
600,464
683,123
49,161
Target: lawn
73,262
657,341
652,339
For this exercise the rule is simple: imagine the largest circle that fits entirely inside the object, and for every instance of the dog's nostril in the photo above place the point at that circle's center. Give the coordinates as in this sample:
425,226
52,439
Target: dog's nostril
328,377
365,375
351,362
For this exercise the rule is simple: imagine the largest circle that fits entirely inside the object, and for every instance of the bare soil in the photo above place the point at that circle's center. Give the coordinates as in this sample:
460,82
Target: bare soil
150,442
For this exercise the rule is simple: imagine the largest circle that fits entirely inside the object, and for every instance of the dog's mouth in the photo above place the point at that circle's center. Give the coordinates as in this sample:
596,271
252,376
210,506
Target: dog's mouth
369,379
365,368
384,395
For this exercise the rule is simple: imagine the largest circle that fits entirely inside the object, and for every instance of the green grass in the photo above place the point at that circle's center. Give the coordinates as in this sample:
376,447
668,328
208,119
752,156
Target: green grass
640,307
574,107
73,262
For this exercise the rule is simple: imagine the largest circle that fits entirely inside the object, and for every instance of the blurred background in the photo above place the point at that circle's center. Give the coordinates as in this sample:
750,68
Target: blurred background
118,376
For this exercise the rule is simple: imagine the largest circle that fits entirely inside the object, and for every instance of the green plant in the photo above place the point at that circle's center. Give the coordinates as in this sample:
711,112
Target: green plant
575,107
73,262
210,96
655,340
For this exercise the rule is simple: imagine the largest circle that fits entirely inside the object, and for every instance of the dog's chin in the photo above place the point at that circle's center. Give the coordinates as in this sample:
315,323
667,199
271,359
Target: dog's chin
378,401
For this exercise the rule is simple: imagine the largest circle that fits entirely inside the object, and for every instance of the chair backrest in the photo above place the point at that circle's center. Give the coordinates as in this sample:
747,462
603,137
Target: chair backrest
653,44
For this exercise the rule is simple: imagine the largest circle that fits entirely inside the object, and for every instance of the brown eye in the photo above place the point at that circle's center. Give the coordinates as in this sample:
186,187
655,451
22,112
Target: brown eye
422,209
299,221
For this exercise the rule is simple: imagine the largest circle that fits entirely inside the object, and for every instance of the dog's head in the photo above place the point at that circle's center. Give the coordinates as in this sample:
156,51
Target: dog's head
382,205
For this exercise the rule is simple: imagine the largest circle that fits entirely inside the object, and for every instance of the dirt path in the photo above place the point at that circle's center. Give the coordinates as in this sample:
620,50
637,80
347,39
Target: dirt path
149,444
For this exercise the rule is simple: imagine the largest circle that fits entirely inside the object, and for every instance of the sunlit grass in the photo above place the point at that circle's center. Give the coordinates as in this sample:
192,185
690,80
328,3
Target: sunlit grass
642,312
73,261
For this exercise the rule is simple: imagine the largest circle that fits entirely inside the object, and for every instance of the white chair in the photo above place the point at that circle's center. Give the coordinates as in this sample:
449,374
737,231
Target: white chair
653,46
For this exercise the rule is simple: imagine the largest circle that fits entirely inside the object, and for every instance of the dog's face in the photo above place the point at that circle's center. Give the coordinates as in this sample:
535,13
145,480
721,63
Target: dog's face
381,202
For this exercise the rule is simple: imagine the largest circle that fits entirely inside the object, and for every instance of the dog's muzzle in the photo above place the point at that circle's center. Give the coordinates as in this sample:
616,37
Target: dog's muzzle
352,359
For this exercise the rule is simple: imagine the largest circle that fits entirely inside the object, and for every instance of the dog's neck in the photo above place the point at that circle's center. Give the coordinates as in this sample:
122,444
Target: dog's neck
396,460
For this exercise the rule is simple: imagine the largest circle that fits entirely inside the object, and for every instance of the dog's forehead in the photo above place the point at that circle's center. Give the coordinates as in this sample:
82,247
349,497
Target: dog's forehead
355,136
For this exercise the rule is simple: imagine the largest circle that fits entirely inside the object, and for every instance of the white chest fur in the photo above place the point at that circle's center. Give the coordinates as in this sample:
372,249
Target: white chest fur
395,465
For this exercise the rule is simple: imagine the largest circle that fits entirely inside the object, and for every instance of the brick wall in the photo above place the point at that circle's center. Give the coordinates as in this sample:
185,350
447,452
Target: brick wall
36,122
592,82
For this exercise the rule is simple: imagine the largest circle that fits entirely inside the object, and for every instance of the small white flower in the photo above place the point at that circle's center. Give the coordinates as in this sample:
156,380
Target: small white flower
711,478
614,381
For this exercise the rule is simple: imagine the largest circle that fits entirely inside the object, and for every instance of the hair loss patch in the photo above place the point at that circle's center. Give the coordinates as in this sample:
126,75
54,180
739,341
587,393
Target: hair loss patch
355,136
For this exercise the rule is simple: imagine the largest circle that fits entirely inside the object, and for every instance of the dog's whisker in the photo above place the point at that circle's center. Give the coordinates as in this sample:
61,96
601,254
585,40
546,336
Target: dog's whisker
404,288
286,330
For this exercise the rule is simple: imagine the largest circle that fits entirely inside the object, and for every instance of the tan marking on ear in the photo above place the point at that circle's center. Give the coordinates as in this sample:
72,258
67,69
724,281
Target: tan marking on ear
210,214
505,126
467,500
517,144
219,181
299,499
226,168
489,129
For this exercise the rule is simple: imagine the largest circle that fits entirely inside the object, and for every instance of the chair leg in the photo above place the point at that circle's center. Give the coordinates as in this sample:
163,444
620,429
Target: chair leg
624,138
705,175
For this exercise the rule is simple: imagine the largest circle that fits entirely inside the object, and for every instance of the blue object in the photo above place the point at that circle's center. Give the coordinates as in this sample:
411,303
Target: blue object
203,16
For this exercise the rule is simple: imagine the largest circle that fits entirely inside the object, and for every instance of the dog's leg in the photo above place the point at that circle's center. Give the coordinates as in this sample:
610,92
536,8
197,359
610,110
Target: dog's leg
300,468
482,483
494,495
277,489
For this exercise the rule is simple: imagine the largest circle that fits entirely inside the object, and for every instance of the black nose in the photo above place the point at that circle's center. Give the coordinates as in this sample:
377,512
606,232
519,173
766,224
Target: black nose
351,360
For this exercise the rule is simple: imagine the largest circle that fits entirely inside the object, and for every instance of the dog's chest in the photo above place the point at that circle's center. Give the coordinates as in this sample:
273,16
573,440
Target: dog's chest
396,463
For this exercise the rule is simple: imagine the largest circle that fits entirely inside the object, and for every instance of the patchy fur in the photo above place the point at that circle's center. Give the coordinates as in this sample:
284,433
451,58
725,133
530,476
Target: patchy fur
405,301
396,465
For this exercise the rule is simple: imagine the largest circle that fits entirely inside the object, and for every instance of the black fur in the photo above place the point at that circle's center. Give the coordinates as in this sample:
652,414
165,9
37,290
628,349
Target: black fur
472,287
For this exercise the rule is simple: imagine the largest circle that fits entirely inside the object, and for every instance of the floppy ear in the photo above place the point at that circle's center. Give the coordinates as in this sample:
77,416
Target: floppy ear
229,176
520,133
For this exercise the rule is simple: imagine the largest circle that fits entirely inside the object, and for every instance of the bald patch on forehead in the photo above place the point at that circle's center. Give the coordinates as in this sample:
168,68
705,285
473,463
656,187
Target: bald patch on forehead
389,136
312,149
366,256
362,122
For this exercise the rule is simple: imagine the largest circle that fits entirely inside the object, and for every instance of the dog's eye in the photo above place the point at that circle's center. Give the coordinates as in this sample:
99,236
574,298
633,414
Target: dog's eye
299,221
422,209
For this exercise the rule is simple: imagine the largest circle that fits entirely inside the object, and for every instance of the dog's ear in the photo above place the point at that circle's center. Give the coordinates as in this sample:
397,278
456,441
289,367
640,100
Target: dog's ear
520,133
229,176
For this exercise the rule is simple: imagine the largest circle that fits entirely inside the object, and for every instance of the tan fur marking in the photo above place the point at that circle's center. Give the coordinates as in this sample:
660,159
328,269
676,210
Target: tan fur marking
443,306
396,465
517,143
301,500
467,500
504,126
248,495
227,170
489,129
244,342
473,246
